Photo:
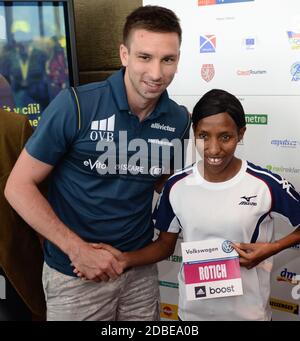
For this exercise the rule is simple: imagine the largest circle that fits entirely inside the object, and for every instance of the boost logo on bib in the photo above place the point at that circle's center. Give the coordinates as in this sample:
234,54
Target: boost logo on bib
221,291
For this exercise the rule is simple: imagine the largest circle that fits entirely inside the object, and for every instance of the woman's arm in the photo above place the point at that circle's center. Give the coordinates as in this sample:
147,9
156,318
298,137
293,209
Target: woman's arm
251,254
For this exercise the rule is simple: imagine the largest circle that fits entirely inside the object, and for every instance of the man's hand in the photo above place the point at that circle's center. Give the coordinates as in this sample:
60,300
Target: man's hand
115,252
251,254
94,262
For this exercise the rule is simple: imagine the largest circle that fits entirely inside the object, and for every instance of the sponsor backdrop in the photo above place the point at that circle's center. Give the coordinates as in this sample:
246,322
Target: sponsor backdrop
252,49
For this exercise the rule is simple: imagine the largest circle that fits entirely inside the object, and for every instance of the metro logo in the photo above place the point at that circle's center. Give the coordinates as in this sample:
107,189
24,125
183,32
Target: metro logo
261,119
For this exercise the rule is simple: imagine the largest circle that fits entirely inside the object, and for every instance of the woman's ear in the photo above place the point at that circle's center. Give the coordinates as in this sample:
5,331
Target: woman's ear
241,133
193,127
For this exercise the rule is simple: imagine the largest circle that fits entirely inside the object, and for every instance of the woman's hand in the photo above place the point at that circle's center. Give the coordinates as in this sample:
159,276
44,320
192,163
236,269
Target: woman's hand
251,254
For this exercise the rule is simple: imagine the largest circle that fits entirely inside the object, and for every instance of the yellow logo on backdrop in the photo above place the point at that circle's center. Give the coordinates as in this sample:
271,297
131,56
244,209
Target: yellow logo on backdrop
169,311
285,306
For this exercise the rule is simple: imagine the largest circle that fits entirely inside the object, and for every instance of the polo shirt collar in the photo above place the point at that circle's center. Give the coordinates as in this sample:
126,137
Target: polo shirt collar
119,92
116,82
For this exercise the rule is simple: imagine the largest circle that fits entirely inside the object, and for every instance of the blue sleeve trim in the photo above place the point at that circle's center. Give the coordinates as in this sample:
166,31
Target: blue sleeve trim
164,213
256,231
285,199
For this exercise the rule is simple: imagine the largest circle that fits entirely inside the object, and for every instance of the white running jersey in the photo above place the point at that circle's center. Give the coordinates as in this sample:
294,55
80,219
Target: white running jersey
240,210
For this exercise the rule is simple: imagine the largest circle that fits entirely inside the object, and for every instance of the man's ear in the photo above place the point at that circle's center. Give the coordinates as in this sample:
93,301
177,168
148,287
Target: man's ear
124,55
178,61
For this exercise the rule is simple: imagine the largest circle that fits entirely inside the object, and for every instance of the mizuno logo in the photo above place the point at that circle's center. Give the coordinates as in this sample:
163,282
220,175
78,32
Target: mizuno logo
103,129
247,200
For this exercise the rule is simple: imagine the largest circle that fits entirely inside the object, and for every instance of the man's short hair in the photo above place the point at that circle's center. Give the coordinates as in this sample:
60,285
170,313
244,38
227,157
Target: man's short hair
151,18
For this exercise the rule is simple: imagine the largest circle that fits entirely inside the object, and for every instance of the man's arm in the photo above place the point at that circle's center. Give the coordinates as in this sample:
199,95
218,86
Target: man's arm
24,196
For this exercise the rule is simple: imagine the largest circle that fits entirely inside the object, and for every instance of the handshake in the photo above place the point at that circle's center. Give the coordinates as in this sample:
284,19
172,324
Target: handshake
98,262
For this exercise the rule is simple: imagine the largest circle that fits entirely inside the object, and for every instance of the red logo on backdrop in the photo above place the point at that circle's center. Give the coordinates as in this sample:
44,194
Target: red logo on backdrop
167,311
207,72
206,2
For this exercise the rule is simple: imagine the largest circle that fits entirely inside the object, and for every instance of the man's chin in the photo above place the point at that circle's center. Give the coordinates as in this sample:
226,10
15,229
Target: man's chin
152,94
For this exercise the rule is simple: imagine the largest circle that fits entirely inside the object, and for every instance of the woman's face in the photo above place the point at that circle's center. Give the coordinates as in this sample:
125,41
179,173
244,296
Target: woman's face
216,138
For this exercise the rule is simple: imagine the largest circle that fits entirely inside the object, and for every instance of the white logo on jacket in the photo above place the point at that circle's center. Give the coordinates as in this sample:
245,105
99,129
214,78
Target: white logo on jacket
103,130
162,127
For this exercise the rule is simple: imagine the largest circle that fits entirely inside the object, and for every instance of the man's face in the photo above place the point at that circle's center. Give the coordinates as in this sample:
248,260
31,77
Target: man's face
151,60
